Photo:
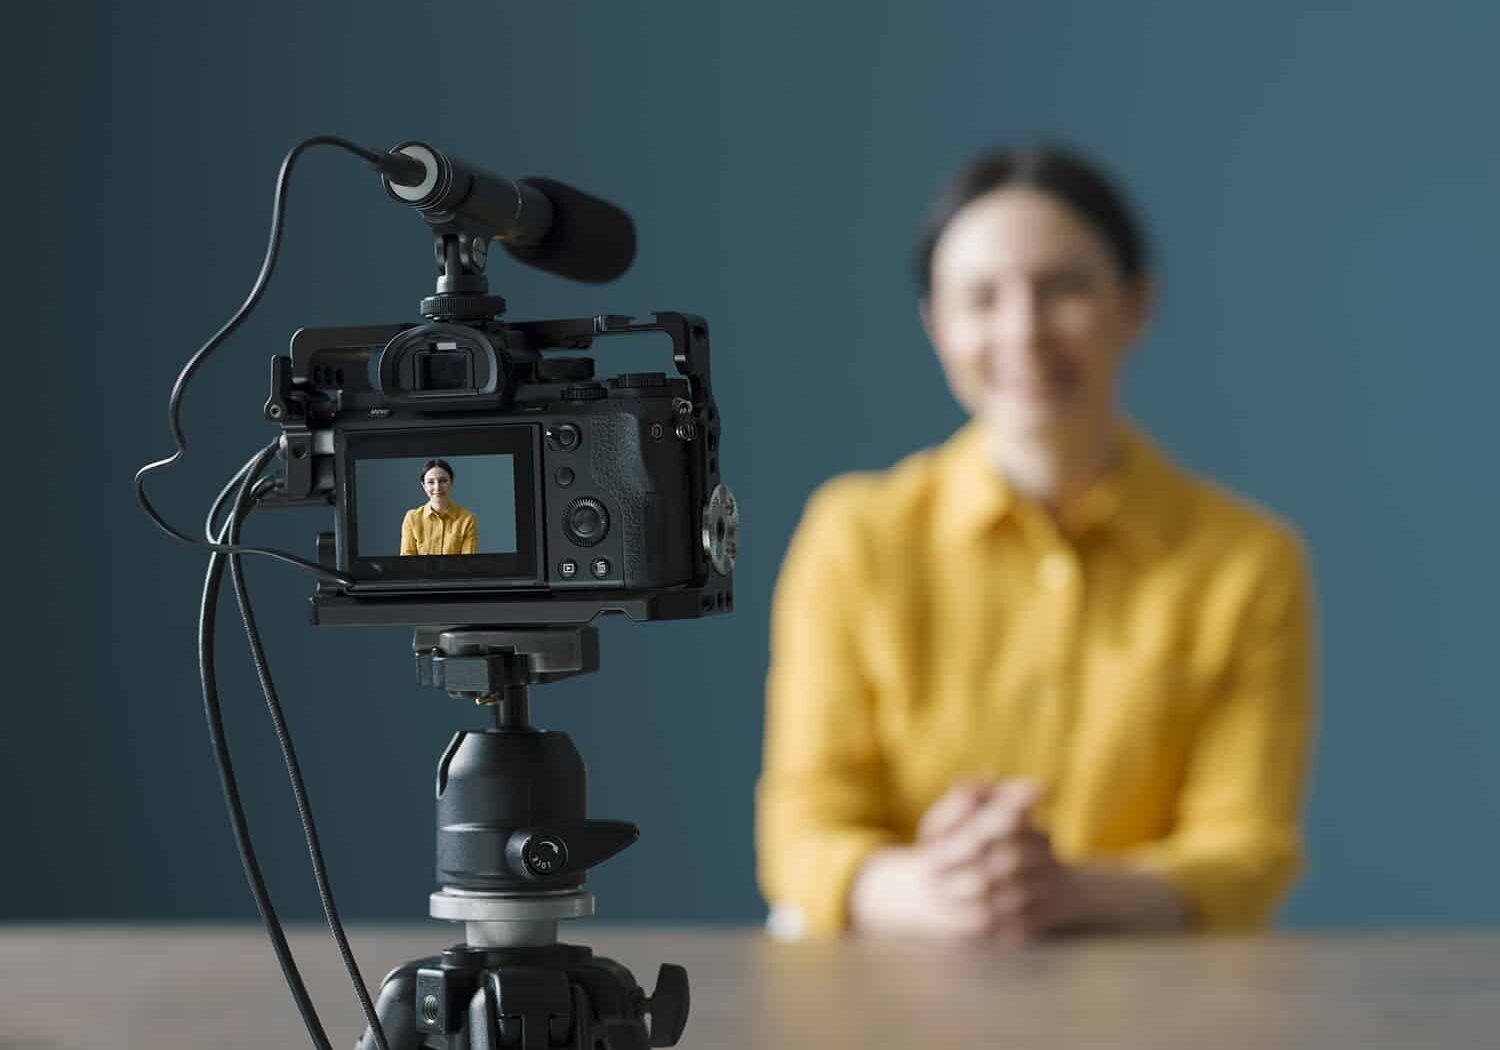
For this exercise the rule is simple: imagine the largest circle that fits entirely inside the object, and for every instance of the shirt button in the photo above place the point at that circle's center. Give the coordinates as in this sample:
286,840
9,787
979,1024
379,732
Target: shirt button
1055,571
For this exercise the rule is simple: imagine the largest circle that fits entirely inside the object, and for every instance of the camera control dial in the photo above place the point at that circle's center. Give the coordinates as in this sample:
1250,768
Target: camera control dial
640,380
585,521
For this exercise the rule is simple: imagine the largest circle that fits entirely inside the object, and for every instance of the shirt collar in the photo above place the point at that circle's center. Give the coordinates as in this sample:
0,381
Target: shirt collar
1135,500
430,513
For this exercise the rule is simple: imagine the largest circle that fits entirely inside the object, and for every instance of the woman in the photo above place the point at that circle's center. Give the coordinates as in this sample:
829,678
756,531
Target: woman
439,526
1040,678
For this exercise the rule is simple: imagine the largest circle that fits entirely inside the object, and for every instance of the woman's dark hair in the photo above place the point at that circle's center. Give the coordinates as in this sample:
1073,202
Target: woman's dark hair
442,463
1066,176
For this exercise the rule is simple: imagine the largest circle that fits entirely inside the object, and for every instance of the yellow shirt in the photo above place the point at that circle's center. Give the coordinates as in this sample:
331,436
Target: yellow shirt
454,531
1146,656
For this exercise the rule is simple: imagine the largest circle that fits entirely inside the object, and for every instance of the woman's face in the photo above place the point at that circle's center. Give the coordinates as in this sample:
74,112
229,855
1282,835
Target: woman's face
437,484
1029,313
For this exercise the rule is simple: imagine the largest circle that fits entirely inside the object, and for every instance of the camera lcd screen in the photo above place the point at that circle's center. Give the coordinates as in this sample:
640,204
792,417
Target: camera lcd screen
440,506
396,514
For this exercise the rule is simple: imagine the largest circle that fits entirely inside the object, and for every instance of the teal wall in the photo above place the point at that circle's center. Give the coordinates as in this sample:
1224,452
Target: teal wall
1324,189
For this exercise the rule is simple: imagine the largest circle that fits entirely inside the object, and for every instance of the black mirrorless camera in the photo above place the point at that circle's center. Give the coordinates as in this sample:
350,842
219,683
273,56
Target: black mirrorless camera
589,494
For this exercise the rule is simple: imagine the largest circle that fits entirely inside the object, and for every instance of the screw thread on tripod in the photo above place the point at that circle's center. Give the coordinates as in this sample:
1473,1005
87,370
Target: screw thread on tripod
512,707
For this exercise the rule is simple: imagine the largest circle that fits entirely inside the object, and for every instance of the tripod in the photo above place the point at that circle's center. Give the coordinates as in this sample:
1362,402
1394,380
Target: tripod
513,851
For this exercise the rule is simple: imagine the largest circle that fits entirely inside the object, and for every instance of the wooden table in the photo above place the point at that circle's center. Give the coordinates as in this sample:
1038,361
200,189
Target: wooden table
165,988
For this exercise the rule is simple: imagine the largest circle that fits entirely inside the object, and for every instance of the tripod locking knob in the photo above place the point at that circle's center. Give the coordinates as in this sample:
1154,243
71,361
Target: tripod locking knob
668,1005
544,855
546,851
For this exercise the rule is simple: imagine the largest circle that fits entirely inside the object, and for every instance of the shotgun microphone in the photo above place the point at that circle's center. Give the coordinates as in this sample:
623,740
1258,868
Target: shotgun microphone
541,222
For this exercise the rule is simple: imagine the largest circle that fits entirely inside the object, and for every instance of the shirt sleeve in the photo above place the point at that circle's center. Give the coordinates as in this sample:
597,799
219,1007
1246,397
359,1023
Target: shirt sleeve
820,806
408,533
1236,846
470,542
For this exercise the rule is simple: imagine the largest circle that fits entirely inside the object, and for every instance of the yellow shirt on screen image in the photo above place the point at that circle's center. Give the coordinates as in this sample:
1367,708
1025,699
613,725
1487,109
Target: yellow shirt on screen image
454,531
1146,656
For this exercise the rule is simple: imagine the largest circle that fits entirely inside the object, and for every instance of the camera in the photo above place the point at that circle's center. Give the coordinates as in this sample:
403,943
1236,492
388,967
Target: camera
588,494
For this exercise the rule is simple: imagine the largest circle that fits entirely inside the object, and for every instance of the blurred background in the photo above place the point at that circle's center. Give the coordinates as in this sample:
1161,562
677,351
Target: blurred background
1322,190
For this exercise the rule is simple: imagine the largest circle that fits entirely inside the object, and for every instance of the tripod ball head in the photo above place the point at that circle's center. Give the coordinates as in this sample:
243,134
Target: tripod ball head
511,809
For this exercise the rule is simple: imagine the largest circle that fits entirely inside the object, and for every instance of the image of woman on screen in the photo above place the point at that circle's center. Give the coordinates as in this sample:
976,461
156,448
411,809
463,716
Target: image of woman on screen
439,526
1041,678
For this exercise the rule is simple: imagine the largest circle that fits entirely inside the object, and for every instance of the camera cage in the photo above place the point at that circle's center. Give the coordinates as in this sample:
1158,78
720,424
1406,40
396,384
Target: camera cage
307,393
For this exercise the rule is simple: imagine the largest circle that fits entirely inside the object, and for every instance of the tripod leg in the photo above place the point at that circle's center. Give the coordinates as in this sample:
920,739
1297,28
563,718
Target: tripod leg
396,1010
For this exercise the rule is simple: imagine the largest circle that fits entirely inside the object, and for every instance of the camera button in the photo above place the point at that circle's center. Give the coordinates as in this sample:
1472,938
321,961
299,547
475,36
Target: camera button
565,436
567,568
600,568
564,476
585,521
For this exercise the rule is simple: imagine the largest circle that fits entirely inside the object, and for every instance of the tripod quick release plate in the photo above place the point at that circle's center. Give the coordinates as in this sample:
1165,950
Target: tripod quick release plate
479,662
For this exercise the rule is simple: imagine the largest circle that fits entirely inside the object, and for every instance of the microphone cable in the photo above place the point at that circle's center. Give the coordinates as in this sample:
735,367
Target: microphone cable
379,161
